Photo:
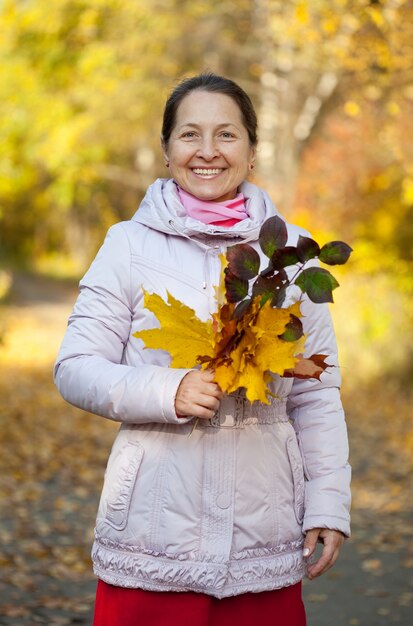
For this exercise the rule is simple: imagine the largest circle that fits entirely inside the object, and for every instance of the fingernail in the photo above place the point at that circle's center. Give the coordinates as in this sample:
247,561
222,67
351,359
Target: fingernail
306,551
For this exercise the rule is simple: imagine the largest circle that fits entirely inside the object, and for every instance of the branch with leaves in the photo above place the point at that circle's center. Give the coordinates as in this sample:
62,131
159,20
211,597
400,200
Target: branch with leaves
251,336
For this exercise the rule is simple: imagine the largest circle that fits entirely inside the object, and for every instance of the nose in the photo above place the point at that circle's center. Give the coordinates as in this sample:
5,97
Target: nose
207,149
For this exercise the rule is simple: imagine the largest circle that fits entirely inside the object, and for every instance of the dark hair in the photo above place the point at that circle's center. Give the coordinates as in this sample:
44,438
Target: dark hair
215,84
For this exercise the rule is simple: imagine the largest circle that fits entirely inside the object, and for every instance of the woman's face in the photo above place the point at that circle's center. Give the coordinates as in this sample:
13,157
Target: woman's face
209,152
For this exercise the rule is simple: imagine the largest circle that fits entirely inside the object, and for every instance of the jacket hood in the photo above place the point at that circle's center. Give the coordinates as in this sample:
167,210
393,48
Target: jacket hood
161,209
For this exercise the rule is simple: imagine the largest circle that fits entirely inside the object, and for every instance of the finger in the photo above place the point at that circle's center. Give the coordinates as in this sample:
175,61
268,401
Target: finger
209,402
192,409
327,559
207,375
310,542
212,389
318,569
203,412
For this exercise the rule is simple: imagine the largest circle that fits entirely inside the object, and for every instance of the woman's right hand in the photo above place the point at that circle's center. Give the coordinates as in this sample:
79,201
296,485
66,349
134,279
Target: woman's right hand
198,395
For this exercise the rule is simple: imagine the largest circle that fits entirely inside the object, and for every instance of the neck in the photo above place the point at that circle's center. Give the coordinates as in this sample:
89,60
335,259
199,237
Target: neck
224,213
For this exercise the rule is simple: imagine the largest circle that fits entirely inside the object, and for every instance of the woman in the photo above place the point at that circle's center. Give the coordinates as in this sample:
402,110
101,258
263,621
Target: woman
238,507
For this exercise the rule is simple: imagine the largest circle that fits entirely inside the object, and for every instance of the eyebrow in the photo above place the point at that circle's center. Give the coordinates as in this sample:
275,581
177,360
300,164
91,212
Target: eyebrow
193,125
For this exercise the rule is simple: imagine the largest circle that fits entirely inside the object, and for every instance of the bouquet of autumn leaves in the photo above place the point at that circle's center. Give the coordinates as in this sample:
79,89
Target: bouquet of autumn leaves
251,336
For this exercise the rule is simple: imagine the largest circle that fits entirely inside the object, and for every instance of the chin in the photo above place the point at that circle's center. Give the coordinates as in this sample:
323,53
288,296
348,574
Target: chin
212,195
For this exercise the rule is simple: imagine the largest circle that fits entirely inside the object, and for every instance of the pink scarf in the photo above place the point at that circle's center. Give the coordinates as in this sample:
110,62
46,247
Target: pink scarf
225,213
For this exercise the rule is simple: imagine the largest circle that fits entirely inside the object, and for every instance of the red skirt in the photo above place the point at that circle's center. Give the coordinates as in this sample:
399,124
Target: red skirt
119,606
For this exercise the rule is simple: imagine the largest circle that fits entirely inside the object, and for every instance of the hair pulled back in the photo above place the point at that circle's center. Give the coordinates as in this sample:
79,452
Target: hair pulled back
213,83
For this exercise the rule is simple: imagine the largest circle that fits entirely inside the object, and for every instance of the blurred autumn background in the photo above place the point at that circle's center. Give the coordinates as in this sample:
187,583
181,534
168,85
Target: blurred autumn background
82,88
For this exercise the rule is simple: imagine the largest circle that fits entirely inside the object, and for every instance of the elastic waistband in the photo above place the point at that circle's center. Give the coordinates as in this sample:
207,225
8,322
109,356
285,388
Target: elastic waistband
236,411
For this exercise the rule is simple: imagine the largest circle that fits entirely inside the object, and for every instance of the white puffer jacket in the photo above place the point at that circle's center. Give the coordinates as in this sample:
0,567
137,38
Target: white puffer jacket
222,511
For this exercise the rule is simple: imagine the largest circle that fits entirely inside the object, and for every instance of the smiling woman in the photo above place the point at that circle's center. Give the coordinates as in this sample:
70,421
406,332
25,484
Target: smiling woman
205,493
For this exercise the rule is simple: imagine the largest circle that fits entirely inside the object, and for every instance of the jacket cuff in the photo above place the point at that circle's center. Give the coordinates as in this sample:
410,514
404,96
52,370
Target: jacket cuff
327,501
325,521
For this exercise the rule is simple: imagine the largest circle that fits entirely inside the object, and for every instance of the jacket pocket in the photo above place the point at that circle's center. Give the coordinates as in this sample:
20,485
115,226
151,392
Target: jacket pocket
296,465
124,472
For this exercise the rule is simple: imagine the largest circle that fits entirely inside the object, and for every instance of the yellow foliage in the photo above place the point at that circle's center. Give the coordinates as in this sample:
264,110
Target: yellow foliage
352,108
220,289
270,322
329,26
377,17
181,333
393,108
240,352
5,283
301,12
407,191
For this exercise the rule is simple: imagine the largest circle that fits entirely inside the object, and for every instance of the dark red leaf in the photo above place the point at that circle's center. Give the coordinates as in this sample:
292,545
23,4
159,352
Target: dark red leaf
317,283
242,308
335,253
293,330
267,285
273,235
243,261
279,298
236,288
307,249
284,258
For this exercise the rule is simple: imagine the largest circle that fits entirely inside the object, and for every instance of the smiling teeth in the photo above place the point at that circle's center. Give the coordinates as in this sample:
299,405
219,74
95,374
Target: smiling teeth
204,172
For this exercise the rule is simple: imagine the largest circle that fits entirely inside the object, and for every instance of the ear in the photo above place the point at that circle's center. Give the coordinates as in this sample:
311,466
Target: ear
253,154
252,157
164,152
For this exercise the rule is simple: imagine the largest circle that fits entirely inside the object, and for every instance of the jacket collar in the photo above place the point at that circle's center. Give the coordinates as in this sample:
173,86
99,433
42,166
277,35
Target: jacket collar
162,210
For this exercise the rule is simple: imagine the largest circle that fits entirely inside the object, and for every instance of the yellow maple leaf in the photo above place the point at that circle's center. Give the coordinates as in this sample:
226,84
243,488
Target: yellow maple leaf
254,381
274,320
220,288
182,333
225,375
272,353
276,355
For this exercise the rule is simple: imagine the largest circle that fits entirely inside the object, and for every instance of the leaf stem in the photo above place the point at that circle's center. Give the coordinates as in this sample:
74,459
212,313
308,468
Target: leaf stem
291,282
195,424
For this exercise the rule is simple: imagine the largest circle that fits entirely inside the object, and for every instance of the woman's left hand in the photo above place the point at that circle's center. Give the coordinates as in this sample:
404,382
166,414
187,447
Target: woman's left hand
332,541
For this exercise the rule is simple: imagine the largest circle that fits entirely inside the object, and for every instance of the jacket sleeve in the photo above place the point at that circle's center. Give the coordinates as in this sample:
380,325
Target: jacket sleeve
318,418
88,371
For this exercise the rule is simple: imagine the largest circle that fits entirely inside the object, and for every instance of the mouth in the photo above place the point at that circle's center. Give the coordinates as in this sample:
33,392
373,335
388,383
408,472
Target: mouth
207,172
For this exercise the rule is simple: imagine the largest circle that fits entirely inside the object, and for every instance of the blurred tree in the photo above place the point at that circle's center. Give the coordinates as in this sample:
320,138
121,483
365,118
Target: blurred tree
83,84
311,53
359,164
82,89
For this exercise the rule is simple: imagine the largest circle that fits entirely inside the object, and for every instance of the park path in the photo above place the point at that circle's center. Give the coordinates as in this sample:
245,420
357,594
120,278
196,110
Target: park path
53,458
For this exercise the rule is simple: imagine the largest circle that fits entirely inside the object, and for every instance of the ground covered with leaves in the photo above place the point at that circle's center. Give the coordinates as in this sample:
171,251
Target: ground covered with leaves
51,469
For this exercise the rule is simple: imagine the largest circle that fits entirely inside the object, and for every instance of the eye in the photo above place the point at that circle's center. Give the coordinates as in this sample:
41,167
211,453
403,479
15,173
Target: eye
227,135
189,134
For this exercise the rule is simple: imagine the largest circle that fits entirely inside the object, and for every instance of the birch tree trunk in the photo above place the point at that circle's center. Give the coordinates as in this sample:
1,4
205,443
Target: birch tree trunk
297,80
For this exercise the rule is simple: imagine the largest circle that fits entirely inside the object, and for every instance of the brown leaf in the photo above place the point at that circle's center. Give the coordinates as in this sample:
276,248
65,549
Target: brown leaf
311,367
317,597
371,565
